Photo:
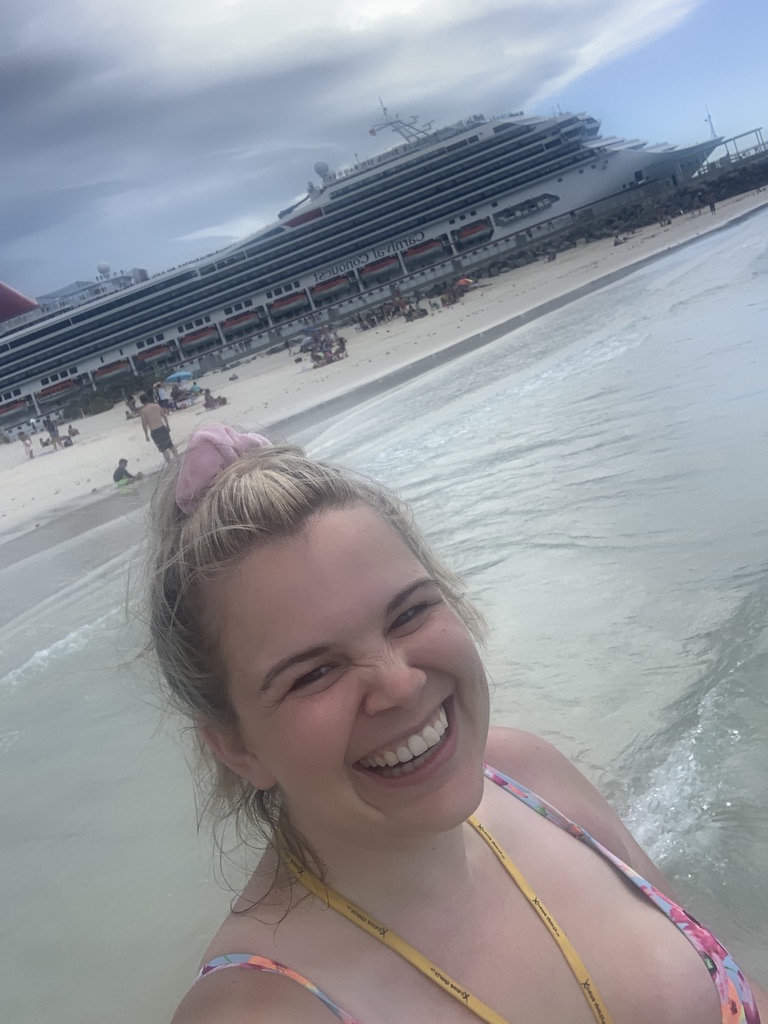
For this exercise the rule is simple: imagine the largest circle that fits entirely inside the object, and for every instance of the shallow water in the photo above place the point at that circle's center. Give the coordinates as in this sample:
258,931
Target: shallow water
599,478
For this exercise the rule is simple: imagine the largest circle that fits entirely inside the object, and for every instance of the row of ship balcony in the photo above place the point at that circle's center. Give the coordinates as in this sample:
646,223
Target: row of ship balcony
339,287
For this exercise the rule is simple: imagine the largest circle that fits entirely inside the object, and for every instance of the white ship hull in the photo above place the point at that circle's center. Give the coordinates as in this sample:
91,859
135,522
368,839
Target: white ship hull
441,203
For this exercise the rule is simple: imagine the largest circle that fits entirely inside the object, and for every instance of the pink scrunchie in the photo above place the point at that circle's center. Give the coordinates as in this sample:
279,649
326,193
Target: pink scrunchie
211,449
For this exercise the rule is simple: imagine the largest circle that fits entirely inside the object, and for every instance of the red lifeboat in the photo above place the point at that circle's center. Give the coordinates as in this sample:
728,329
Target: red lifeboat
332,287
254,317
386,266
424,251
17,406
116,369
200,337
56,389
289,304
150,354
474,234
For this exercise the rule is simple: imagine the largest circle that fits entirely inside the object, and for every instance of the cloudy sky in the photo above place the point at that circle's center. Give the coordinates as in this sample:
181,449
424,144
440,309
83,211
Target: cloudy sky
149,132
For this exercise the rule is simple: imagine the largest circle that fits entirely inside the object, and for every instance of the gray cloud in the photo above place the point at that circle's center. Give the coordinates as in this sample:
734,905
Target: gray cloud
110,153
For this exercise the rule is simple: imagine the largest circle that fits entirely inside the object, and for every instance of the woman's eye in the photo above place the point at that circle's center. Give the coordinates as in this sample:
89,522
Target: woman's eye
311,677
411,614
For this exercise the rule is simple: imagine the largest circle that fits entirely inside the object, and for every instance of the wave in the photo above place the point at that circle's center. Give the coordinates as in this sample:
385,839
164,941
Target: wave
695,799
70,644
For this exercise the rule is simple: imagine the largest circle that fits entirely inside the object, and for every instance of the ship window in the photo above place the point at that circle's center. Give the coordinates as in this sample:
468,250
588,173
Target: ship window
494,204
248,302
581,170
227,310
54,376
593,166
238,305
73,369
140,344
189,326
269,295
199,322
278,291
295,284
463,217
180,328
472,213
453,220
45,380
207,319
559,179
159,337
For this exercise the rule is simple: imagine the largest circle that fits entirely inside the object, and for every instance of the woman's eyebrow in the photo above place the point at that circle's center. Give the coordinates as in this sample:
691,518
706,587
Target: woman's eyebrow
293,659
406,592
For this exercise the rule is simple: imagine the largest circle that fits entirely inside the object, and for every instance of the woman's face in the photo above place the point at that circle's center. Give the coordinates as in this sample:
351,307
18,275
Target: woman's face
357,689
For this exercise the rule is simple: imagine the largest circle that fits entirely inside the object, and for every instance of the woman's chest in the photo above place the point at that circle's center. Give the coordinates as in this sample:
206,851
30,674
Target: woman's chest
500,952
574,941
509,962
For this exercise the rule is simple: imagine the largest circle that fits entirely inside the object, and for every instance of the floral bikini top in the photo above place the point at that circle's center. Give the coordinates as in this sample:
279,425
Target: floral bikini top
736,1000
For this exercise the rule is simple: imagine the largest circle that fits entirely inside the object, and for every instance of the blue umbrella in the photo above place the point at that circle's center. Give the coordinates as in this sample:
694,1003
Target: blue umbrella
179,375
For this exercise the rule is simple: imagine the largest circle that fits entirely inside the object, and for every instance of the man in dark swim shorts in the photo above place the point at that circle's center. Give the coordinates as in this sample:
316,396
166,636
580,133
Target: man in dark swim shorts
154,420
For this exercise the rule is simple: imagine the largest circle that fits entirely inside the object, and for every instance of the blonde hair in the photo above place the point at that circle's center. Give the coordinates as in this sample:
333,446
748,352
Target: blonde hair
270,493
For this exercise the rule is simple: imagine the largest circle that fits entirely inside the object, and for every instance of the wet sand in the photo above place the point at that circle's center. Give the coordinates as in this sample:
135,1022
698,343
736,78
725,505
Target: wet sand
274,392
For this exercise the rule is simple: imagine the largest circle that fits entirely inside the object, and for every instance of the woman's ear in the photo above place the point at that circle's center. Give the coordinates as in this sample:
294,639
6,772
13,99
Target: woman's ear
227,746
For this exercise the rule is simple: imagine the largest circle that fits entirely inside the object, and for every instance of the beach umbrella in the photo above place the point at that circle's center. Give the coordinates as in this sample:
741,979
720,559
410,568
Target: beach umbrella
179,375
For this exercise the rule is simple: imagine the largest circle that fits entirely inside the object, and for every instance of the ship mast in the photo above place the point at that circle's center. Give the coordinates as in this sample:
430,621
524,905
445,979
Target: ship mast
410,129
708,120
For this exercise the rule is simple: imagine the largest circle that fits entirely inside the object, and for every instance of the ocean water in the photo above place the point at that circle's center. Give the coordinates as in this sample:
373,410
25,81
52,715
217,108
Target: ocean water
599,478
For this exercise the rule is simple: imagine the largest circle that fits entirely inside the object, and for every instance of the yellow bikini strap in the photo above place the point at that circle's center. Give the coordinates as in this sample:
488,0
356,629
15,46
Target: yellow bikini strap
389,938
398,945
574,961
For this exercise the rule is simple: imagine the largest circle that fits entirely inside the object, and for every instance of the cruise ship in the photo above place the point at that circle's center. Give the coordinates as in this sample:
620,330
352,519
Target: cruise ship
438,203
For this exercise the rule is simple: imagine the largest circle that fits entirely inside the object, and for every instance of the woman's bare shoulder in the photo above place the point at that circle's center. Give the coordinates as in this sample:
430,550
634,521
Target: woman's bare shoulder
536,763
241,995
542,768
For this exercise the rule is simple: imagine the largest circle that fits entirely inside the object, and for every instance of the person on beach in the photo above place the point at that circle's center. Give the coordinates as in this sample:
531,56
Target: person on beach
417,865
154,420
27,442
122,477
212,402
53,433
163,399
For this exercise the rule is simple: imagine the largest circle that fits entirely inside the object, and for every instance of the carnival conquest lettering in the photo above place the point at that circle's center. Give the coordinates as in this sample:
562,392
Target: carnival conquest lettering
378,253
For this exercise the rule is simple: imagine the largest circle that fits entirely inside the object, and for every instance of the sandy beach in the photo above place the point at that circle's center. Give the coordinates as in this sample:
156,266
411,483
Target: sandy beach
274,390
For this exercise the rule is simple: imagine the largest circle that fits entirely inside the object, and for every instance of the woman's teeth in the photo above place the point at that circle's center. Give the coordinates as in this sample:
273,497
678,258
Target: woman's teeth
408,756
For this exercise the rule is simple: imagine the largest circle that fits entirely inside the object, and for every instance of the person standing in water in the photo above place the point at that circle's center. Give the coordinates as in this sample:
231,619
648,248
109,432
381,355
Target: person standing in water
418,866
154,420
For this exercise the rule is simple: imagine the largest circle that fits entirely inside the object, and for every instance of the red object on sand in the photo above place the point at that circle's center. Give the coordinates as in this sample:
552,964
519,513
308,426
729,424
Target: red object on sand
13,303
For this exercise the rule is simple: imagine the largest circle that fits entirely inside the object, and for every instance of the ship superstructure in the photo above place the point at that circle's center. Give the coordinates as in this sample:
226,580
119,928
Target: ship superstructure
440,202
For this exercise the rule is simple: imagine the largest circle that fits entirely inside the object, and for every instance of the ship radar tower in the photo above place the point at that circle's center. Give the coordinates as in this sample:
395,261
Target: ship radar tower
409,129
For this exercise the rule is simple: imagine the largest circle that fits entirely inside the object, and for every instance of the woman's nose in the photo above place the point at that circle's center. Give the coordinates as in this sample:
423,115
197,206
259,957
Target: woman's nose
392,682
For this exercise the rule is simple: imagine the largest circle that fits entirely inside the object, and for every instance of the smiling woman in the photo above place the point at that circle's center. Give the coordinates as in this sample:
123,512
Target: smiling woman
329,663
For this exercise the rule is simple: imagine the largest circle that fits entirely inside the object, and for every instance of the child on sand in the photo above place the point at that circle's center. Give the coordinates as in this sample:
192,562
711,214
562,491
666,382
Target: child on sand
27,442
